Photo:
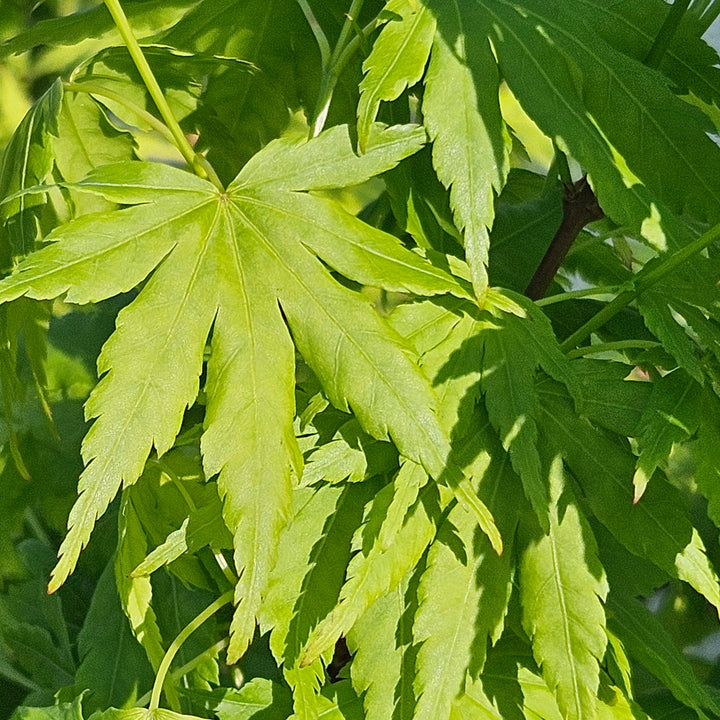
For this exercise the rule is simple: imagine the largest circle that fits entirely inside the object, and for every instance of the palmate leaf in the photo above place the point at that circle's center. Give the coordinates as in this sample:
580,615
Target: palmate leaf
382,667
239,111
648,641
313,554
147,18
708,454
562,585
527,215
514,345
203,526
136,713
60,711
136,593
86,140
227,260
406,529
683,312
632,26
351,454
496,353
112,663
461,110
607,398
420,203
258,698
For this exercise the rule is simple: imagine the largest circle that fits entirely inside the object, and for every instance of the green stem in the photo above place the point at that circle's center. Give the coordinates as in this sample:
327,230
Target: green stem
36,527
613,346
327,88
318,32
667,32
188,667
344,48
642,282
177,482
176,644
192,664
354,43
350,19
179,139
574,294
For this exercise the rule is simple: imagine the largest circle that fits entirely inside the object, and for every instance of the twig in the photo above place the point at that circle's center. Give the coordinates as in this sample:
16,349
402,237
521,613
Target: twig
580,207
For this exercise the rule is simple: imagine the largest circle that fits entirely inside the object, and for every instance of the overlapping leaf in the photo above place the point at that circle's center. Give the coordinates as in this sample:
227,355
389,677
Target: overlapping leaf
85,141
683,312
465,588
645,637
147,19
534,40
462,113
406,519
397,59
654,528
112,663
26,162
672,414
229,262
563,586
513,348
312,557
632,27
380,667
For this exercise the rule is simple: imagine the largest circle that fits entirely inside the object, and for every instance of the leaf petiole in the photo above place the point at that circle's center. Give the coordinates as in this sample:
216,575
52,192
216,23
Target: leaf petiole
189,666
156,93
616,346
176,644
575,294
318,32
333,64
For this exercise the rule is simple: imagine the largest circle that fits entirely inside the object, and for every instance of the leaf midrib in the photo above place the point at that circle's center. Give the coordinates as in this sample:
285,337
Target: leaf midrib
567,635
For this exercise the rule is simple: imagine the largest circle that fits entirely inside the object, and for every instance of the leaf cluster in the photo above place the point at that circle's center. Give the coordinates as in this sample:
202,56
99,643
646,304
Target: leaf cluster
275,393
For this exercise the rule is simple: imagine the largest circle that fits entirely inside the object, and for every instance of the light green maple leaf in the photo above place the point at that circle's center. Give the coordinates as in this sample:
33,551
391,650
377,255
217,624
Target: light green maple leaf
461,110
246,267
562,588
397,60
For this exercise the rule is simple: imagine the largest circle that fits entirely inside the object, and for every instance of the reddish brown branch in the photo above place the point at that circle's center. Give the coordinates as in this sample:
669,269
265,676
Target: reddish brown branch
580,207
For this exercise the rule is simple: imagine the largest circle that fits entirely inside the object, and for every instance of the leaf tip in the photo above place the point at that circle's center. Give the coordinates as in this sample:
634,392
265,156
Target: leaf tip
640,483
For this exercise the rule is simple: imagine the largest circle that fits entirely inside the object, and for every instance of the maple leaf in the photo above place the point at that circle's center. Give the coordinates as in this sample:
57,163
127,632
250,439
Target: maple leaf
246,267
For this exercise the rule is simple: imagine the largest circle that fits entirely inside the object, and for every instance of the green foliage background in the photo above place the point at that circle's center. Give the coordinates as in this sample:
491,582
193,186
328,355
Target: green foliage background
283,436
